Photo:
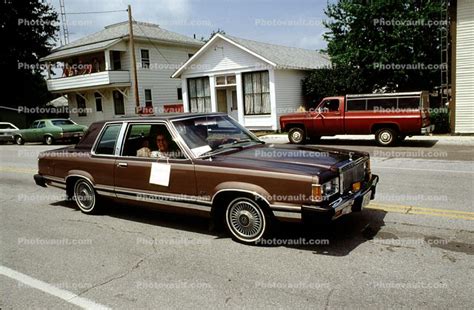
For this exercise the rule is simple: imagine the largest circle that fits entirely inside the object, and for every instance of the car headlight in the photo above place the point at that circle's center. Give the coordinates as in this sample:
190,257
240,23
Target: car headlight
321,192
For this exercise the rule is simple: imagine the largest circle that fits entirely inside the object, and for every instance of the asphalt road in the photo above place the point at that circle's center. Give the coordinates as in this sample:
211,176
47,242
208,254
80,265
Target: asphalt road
412,248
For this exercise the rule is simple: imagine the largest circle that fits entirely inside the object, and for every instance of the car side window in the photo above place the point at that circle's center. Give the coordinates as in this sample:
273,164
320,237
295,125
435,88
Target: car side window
41,125
34,125
150,140
108,140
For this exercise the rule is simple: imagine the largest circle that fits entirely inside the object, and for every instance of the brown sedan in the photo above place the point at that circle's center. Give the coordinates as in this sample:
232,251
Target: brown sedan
208,164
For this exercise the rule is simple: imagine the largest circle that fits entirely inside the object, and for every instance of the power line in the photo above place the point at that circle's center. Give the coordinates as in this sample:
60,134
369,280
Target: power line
96,12
152,43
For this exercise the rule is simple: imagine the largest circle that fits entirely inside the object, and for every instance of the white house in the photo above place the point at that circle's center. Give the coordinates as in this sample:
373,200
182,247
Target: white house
254,82
97,76
463,67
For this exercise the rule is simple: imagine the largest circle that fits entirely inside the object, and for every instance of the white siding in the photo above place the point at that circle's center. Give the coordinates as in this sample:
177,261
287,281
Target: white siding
222,56
289,91
164,61
465,67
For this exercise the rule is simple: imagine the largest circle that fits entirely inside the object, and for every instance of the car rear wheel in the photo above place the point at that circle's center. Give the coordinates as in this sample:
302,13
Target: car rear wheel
19,140
297,135
85,196
48,140
386,137
246,220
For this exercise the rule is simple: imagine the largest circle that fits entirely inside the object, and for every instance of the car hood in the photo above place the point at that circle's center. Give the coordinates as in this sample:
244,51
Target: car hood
290,158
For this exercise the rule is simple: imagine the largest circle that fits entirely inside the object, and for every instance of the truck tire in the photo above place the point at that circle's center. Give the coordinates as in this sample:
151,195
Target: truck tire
386,137
297,135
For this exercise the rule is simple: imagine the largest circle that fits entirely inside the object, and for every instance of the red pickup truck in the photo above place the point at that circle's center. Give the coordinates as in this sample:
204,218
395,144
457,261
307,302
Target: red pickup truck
391,117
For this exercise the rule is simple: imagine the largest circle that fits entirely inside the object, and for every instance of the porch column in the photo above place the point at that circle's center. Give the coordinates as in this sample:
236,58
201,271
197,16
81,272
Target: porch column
240,98
108,65
273,105
212,88
184,91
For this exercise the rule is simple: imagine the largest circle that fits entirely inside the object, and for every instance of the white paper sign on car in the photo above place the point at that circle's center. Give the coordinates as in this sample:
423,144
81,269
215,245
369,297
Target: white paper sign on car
198,151
160,174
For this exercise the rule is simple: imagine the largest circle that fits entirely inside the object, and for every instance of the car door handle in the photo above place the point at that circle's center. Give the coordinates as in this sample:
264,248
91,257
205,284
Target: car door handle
122,165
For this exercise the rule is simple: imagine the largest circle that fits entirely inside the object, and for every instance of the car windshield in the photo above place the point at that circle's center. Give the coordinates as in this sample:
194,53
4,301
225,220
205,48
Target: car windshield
59,122
207,135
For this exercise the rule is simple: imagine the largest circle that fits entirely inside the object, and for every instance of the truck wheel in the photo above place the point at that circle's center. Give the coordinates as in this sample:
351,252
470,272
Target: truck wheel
246,220
297,135
386,137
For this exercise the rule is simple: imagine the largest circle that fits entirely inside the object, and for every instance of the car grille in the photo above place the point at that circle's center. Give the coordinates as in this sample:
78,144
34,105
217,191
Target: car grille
351,173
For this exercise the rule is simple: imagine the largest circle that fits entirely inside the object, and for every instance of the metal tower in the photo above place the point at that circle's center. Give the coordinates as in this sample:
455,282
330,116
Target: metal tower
64,22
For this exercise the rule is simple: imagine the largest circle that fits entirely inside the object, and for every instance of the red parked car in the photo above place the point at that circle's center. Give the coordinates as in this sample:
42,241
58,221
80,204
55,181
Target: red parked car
391,117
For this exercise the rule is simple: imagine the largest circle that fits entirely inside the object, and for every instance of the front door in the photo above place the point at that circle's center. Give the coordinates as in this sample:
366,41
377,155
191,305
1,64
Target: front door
232,105
221,100
142,147
328,118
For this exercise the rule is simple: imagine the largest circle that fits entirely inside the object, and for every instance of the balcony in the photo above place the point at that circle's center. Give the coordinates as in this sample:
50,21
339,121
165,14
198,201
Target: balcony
89,81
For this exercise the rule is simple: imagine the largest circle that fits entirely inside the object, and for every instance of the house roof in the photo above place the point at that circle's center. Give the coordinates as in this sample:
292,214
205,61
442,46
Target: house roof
281,57
114,33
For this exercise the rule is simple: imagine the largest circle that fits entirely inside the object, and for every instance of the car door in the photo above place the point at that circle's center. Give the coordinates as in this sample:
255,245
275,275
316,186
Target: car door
133,169
30,133
328,118
39,132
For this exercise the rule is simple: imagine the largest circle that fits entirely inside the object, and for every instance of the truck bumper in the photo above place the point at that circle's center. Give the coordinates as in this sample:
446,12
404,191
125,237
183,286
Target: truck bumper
427,129
343,205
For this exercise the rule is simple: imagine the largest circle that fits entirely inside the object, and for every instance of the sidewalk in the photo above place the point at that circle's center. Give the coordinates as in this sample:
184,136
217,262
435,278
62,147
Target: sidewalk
441,139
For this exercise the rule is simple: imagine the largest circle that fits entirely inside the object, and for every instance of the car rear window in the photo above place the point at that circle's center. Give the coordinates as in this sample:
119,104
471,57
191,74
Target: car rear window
58,122
106,145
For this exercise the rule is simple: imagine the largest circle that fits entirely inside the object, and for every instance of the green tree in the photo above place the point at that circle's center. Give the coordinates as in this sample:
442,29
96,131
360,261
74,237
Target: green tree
27,29
393,42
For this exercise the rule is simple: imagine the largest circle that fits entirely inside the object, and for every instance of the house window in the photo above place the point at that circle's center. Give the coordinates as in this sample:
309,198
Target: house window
81,106
224,80
257,93
199,95
116,60
145,54
148,100
119,107
180,93
98,102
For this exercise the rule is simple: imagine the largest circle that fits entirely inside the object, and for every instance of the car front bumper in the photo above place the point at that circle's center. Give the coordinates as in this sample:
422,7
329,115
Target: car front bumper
427,129
344,204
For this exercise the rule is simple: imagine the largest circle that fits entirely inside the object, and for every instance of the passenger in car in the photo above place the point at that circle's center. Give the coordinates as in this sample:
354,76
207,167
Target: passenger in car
145,150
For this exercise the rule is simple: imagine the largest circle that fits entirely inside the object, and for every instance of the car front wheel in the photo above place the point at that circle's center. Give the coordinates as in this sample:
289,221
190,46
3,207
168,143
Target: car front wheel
297,135
85,196
246,220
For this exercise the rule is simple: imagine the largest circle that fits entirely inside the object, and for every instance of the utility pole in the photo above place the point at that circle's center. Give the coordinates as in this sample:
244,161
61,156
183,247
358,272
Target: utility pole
64,22
133,60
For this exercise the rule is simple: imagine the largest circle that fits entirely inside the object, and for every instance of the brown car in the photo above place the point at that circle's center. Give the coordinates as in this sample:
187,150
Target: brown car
208,164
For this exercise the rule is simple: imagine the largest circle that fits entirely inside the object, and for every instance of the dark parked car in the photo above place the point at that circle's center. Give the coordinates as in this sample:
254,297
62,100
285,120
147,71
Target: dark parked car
208,164
49,131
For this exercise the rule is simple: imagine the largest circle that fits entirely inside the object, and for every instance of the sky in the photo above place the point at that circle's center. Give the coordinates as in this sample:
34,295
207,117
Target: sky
296,23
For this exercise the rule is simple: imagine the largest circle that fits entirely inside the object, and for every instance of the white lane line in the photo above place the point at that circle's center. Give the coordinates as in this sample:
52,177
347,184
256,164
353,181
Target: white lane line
50,289
417,169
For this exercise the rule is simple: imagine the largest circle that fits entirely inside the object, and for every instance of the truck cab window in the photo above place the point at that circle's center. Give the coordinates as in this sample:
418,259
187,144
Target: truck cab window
330,106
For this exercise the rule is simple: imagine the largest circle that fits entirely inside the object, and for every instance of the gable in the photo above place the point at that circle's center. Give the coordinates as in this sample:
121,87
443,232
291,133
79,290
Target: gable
222,56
